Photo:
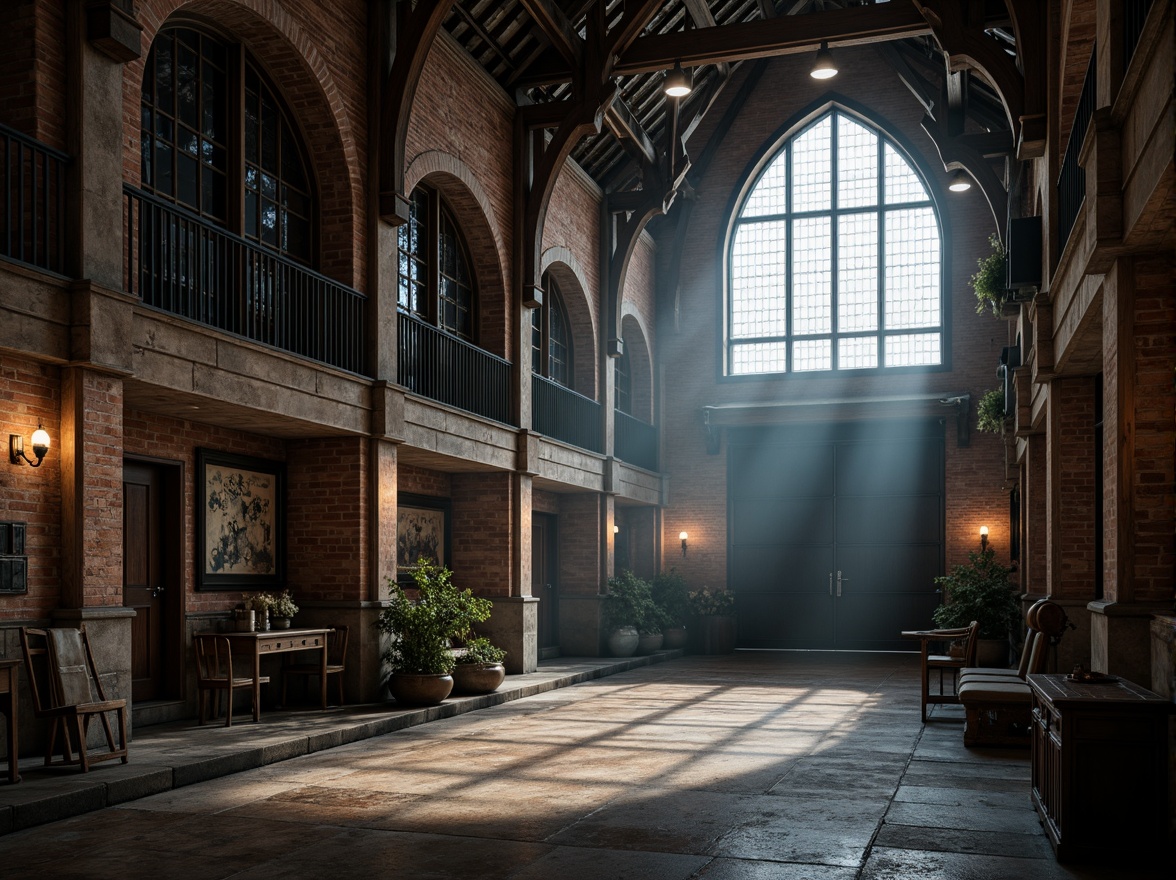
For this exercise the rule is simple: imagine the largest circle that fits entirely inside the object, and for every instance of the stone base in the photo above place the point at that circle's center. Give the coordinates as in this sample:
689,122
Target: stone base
580,632
1120,640
514,627
1163,657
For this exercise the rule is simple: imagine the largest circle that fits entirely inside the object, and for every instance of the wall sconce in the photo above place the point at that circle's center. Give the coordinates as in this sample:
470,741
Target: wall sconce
678,83
682,536
824,67
983,537
16,451
616,530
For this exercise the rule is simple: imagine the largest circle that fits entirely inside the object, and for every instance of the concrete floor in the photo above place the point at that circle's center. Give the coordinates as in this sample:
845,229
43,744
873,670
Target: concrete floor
744,767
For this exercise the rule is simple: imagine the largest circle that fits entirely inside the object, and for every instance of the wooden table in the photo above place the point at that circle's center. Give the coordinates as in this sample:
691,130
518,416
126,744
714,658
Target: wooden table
929,661
1100,768
9,700
280,641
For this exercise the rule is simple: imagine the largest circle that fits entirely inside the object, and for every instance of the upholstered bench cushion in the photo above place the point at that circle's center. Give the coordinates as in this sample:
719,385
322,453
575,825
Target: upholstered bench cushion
1015,692
1008,676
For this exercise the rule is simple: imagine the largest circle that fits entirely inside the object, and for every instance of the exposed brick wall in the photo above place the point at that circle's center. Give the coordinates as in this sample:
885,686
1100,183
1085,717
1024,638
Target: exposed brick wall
1070,486
30,395
580,539
418,481
32,69
483,525
545,502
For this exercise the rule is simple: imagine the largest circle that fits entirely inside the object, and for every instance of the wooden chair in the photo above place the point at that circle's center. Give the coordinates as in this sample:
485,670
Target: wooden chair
67,690
937,662
336,660
214,673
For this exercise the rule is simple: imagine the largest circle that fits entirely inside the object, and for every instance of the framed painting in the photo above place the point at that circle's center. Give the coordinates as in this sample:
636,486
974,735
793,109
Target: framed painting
422,530
240,522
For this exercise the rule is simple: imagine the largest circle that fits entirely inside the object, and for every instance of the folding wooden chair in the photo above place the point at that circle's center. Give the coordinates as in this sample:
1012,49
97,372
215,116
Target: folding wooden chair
67,689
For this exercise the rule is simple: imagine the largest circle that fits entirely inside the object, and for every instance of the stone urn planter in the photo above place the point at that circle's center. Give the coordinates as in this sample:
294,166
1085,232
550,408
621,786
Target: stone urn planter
674,638
419,690
478,678
648,643
622,642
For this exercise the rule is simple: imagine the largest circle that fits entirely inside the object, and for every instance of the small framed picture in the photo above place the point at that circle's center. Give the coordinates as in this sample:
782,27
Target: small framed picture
422,530
240,522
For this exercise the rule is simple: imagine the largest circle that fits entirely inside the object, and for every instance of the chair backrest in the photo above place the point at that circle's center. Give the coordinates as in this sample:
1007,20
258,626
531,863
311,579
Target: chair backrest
337,645
972,643
214,657
1037,654
60,667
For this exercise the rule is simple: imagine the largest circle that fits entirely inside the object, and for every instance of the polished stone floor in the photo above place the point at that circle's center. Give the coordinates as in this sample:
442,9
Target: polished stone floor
745,767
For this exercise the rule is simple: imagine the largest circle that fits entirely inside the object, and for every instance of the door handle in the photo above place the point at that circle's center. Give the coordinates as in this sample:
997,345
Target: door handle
840,578
830,583
156,592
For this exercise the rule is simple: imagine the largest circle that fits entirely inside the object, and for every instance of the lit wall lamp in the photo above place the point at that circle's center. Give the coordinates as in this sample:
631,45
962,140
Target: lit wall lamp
682,536
960,182
983,537
40,447
678,83
824,67
616,530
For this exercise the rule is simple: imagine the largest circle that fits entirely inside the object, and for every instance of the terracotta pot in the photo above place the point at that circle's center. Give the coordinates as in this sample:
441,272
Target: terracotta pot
622,642
674,638
419,690
478,678
647,643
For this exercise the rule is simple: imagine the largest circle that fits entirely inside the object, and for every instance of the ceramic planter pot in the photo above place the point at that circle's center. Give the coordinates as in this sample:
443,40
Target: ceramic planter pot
478,678
622,642
647,643
279,623
419,690
674,638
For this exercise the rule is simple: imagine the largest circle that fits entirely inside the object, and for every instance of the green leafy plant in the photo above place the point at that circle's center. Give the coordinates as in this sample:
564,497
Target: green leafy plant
990,411
670,594
421,628
629,603
282,605
711,603
980,591
480,651
989,283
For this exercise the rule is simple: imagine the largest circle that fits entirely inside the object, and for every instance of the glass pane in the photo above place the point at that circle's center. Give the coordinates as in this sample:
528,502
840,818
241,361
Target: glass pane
809,355
269,187
188,142
770,193
269,134
759,259
212,115
252,123
163,168
292,170
913,350
269,222
145,149
912,269
537,341
187,82
812,300
251,213
812,168
297,231
857,353
902,184
187,184
857,272
213,194
857,164
759,357
164,97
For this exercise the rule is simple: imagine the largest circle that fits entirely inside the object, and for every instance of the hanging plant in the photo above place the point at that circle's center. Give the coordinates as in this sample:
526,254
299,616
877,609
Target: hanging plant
989,282
990,411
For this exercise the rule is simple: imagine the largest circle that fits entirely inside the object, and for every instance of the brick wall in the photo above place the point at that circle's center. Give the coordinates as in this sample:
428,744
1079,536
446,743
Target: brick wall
1070,486
32,69
483,527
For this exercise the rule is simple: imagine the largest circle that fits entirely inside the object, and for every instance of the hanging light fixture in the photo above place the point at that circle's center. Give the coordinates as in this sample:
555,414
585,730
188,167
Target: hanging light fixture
824,67
678,82
960,182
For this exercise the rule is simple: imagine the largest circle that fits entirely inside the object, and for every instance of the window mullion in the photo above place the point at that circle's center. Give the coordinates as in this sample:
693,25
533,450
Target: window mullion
433,252
235,172
834,170
880,342
789,366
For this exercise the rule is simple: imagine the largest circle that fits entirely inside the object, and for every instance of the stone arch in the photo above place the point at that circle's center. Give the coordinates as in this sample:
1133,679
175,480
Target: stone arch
285,49
570,276
636,339
471,208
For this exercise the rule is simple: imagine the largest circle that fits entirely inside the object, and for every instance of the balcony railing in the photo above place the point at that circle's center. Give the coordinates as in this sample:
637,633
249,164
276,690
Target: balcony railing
441,367
635,441
178,262
562,414
1134,15
32,226
1072,180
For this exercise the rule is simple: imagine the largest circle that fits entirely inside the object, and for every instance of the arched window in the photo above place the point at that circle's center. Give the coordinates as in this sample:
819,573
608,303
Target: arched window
835,259
436,283
217,140
551,337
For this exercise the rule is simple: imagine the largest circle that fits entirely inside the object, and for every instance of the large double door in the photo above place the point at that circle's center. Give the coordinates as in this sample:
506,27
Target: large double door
836,533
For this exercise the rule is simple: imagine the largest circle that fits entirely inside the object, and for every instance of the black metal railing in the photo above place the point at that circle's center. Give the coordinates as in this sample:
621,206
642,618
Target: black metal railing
1072,180
178,262
32,227
441,367
635,441
562,414
1134,15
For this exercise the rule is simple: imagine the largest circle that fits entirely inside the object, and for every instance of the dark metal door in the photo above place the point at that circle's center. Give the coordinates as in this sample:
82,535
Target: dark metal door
544,570
143,577
836,534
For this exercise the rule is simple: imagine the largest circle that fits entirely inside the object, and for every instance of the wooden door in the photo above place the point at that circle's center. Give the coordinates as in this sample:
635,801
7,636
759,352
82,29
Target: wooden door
544,572
836,534
144,572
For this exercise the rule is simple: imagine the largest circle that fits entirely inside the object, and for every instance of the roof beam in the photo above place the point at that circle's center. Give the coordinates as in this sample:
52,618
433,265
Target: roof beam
556,27
784,35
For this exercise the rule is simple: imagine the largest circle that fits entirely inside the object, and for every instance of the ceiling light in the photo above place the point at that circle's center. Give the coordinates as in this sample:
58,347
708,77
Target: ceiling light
678,82
824,67
960,182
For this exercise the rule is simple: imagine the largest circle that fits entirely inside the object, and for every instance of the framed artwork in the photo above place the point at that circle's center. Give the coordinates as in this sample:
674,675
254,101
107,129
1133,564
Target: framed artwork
240,522
422,529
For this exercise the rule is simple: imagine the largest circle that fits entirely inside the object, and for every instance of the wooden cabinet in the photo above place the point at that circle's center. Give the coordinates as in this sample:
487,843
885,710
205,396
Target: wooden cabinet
1100,768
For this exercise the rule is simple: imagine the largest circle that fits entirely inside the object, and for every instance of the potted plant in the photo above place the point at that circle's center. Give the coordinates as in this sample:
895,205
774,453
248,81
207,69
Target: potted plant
478,667
990,411
418,657
259,604
624,609
713,612
282,608
670,594
980,591
989,282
